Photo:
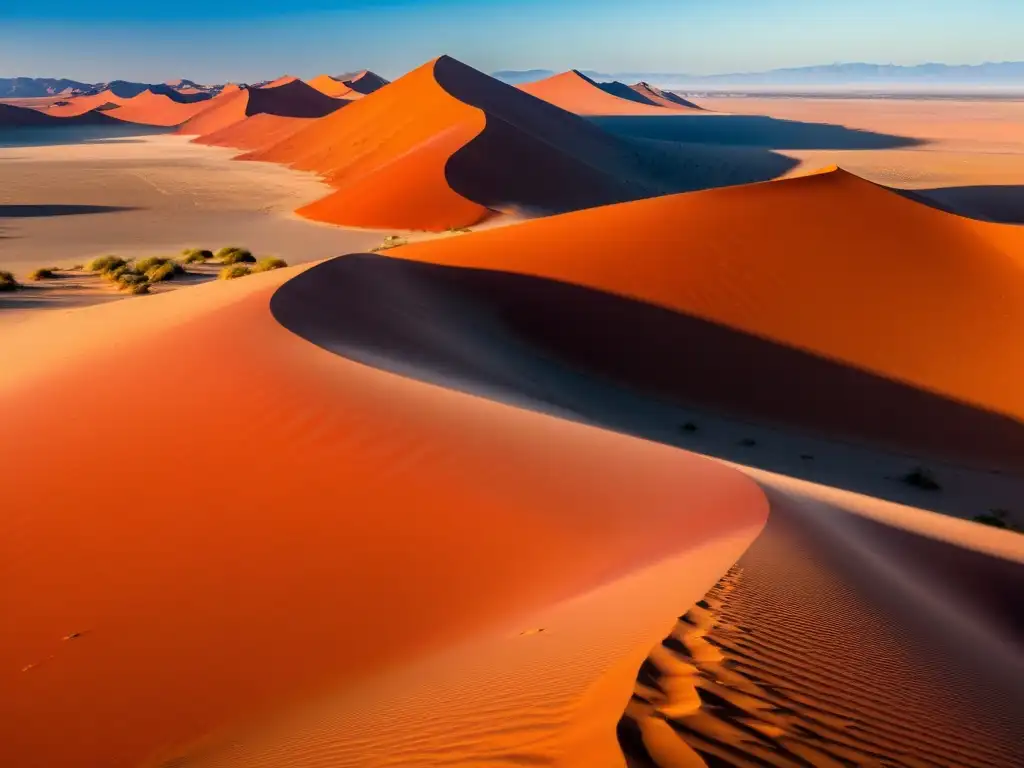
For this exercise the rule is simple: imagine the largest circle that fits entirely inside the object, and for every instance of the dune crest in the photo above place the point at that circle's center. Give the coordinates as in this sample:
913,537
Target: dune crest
353,86
291,98
575,92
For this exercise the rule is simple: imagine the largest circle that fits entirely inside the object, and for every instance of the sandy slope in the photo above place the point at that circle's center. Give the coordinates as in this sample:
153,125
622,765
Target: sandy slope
19,117
919,308
575,92
150,108
255,132
288,98
446,146
459,512
349,87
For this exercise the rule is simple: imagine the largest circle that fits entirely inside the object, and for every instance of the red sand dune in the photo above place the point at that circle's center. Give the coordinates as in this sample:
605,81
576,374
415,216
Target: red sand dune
349,86
345,522
150,108
827,264
292,99
575,92
283,80
12,116
256,132
446,145
79,105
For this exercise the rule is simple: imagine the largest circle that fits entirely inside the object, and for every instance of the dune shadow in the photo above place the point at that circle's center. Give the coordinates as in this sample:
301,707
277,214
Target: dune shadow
44,210
1003,204
749,131
566,349
111,132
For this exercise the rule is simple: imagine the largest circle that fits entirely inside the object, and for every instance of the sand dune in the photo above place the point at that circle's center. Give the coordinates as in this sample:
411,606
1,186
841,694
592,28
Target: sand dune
460,512
255,132
149,108
662,98
353,86
292,98
80,105
446,146
919,309
575,92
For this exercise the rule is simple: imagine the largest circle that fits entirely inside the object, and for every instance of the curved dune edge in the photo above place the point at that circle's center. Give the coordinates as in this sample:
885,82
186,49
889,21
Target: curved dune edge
169,596
575,92
921,305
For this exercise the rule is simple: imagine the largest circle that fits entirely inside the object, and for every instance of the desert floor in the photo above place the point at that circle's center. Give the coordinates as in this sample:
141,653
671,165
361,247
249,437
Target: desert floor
970,154
66,197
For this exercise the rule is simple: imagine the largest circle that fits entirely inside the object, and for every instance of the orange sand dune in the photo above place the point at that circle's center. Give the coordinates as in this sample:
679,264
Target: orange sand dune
825,283
575,92
343,523
79,105
446,145
292,99
255,132
662,98
283,80
349,87
149,108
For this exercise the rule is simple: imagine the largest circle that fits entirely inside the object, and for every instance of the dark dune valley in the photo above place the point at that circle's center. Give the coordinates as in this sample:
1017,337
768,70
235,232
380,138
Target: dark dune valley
439,421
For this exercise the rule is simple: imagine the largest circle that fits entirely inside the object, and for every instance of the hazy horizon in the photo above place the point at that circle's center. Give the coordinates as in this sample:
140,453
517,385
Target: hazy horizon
255,39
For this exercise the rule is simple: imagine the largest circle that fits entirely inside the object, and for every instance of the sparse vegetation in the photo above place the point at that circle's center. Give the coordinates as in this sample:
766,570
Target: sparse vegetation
998,518
43,273
748,442
807,457
129,280
391,241
269,263
105,264
168,270
7,282
195,255
919,477
689,427
148,263
234,271
139,289
458,230
235,255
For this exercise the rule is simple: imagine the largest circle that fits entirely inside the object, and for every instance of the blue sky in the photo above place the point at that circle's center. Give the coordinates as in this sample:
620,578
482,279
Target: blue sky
216,40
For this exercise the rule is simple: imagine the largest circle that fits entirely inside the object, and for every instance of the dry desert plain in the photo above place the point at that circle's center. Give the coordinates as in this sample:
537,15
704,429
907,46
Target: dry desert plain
682,470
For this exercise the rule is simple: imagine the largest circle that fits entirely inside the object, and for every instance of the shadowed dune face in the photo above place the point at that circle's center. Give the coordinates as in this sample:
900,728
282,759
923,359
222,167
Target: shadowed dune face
34,211
446,145
575,92
18,117
160,109
268,569
353,86
663,98
1001,203
919,297
749,131
412,318
291,98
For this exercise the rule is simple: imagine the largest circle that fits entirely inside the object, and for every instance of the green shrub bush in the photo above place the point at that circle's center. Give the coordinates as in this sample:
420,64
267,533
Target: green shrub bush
234,271
269,263
168,270
919,477
105,263
195,255
235,255
43,273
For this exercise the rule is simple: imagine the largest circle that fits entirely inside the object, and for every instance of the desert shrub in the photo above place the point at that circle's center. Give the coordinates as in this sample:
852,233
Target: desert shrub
748,442
7,282
105,263
148,263
232,271
391,241
168,270
128,280
139,289
269,263
919,477
458,230
689,427
116,274
43,273
235,255
195,255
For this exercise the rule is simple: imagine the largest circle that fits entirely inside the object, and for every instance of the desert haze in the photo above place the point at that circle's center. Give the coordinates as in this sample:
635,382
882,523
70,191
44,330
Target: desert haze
452,422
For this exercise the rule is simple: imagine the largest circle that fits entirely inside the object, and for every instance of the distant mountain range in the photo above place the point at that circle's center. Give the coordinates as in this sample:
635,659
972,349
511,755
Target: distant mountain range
31,87
1010,73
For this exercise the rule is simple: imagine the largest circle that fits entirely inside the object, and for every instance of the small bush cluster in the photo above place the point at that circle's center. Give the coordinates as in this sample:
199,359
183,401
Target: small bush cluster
391,241
269,263
997,518
195,256
105,264
233,271
235,255
7,282
43,273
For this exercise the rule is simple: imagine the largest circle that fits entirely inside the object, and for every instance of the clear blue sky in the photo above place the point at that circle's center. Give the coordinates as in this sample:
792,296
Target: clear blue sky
215,40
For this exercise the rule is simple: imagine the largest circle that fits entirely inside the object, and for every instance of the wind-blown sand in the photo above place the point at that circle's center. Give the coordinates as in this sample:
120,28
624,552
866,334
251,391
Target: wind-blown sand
144,195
